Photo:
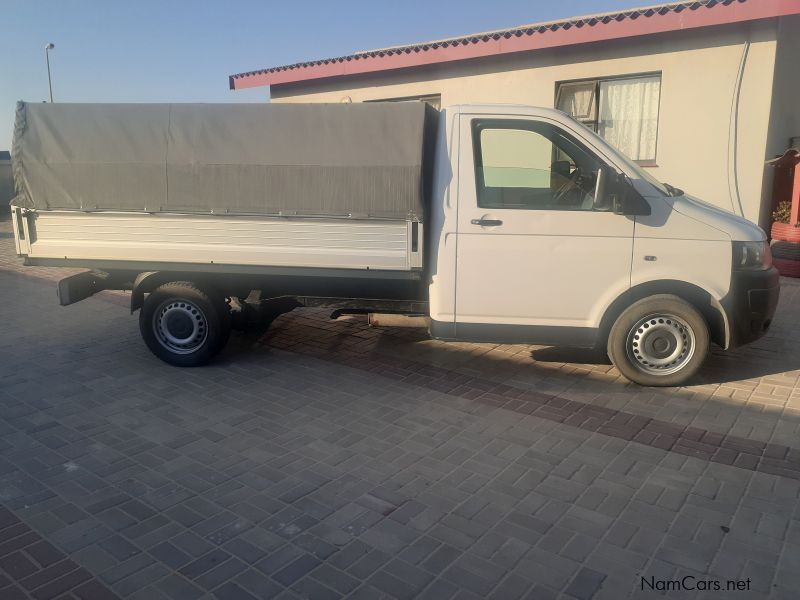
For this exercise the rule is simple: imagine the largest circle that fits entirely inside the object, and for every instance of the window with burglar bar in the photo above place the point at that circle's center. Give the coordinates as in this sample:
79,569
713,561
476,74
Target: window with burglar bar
623,111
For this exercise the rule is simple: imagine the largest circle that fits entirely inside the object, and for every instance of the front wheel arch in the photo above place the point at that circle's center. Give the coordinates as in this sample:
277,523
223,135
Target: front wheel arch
703,301
661,340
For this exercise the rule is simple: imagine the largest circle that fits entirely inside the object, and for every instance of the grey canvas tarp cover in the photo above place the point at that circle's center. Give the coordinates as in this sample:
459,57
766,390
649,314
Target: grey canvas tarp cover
364,160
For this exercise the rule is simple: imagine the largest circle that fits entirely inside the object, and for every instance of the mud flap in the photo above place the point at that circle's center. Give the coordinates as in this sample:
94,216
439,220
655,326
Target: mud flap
78,287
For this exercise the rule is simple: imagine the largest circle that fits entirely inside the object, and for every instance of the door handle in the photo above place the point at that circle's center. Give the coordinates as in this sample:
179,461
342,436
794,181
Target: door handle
487,222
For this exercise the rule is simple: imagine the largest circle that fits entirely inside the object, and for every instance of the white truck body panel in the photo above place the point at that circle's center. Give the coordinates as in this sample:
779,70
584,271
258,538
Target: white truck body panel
226,240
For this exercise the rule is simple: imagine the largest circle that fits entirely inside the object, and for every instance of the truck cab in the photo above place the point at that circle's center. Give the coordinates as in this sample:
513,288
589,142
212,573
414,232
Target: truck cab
547,234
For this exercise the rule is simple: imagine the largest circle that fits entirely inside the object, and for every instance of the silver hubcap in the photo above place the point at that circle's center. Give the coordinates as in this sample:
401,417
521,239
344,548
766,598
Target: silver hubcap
180,326
660,344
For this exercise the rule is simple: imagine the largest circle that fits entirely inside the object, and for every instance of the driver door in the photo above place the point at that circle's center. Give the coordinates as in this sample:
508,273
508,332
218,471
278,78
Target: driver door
534,253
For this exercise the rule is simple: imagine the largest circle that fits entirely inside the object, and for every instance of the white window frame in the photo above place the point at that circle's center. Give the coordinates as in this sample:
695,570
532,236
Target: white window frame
593,123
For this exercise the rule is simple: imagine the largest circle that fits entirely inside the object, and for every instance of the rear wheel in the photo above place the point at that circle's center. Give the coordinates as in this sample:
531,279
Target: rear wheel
659,341
184,325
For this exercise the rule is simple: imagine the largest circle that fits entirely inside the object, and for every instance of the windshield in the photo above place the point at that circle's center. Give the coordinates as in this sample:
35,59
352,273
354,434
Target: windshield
640,172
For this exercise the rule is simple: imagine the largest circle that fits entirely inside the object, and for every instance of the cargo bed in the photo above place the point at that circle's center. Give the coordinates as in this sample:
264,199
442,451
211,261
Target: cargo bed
125,240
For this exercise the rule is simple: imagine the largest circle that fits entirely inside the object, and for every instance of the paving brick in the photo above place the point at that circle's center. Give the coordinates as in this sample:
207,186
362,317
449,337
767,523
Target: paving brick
370,563
69,513
411,575
44,553
258,584
316,546
419,550
231,591
227,570
95,558
170,555
335,579
191,544
389,584
205,563
228,532
311,588
143,528
18,543
441,558
350,554
13,592
218,521
245,551
62,584
116,519
14,530
474,574
296,569
124,569
585,584
140,580
107,503
52,572
511,588
7,518
178,588
279,559
184,515
93,590
17,565
137,510
119,547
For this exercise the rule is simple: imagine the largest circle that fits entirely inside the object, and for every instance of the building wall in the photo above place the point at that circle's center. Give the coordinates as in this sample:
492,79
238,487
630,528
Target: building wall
700,72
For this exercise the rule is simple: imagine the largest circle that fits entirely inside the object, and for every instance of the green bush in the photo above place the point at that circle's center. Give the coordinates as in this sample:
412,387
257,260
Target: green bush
783,212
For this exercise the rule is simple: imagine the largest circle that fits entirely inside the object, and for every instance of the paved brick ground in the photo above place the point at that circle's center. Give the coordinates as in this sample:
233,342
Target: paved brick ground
330,460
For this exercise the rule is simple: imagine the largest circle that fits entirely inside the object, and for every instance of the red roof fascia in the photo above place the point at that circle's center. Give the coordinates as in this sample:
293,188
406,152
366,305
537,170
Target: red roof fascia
579,33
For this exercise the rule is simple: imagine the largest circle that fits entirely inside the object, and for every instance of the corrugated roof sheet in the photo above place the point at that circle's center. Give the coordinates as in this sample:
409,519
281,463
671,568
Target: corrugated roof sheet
523,30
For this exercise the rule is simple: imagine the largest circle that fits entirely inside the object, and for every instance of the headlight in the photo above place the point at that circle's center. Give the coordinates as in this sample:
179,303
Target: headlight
751,255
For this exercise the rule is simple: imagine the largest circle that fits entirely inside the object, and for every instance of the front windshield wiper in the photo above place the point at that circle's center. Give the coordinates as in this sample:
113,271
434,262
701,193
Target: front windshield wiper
673,191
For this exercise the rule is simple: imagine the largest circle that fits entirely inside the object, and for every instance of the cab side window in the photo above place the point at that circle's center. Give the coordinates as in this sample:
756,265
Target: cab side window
529,165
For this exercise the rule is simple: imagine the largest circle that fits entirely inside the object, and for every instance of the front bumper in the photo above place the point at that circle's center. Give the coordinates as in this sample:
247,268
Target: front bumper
750,304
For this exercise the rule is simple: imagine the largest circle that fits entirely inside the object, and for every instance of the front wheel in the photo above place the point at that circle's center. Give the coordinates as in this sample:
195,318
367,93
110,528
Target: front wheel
184,325
659,341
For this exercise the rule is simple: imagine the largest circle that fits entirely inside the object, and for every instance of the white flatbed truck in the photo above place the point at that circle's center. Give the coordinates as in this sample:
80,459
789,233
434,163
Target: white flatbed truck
507,224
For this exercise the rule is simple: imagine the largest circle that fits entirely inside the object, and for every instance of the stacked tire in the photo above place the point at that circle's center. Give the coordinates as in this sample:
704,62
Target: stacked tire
785,247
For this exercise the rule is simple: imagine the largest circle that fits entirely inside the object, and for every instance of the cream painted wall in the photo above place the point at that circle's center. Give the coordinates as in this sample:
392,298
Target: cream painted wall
699,76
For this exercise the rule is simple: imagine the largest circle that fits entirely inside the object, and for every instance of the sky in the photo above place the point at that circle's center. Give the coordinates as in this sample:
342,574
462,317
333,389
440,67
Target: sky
183,51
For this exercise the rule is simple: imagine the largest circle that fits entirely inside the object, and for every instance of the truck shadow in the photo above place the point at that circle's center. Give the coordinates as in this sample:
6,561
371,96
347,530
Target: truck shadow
310,331
581,356
721,367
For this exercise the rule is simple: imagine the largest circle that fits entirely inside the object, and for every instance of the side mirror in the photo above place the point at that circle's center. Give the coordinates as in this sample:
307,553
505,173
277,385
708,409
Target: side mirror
614,192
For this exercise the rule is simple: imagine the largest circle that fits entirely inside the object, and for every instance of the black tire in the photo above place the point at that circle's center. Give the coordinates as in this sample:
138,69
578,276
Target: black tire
785,250
659,341
180,311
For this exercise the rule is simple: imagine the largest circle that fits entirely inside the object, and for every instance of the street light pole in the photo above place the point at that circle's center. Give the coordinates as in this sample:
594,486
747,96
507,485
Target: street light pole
49,80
